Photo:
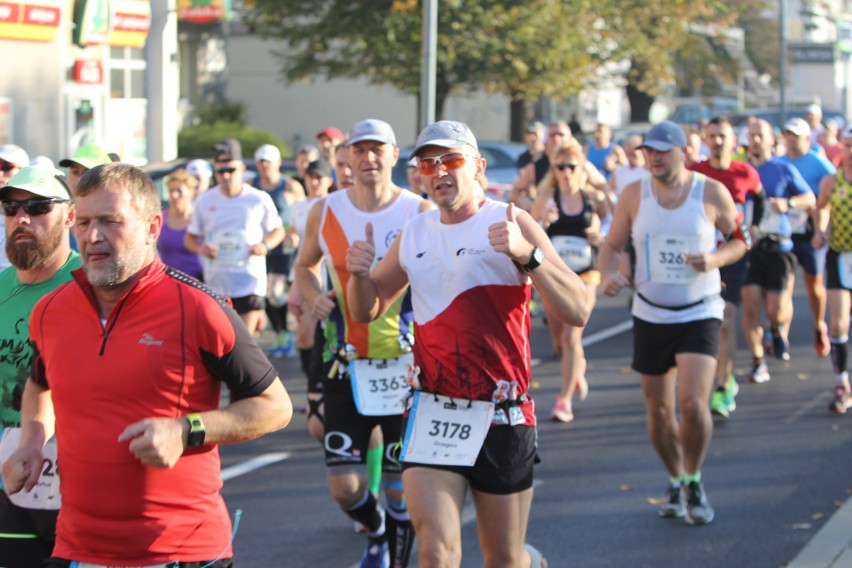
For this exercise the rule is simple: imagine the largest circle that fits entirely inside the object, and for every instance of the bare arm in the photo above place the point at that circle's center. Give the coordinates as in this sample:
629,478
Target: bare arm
160,442
561,288
308,267
370,293
523,191
619,233
822,213
22,469
723,212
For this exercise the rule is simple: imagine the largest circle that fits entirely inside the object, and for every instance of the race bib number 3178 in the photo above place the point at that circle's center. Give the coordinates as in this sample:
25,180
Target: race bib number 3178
445,431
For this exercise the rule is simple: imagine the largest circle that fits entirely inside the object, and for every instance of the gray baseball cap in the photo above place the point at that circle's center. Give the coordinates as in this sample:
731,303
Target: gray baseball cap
372,129
664,136
446,134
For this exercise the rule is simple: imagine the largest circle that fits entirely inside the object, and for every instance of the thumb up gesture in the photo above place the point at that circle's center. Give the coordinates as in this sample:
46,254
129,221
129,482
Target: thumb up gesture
506,237
361,254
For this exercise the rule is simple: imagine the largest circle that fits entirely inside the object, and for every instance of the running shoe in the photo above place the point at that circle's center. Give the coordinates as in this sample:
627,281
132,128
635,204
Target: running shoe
821,344
842,401
377,554
720,402
760,373
562,410
732,387
781,347
698,509
674,507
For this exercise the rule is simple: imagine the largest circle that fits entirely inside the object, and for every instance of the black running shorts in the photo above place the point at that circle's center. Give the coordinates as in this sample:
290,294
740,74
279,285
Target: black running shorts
655,345
505,462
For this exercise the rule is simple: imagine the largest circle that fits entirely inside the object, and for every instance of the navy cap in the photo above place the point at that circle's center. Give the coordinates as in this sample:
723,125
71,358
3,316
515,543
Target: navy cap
664,136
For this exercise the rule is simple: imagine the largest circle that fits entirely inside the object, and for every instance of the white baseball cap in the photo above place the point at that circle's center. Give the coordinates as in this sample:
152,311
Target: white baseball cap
267,152
199,168
797,126
14,155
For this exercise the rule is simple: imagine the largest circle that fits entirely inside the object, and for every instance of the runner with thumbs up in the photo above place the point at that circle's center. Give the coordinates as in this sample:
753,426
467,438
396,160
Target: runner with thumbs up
470,421
365,364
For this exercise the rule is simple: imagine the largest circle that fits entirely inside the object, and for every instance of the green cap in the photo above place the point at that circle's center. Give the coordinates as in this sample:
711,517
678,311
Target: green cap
40,181
88,156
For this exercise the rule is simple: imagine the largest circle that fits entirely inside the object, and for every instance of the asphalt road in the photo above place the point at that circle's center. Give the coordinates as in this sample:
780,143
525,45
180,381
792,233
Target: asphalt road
776,472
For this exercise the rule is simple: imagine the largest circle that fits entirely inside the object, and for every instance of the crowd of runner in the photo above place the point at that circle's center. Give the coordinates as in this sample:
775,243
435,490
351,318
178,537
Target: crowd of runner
410,312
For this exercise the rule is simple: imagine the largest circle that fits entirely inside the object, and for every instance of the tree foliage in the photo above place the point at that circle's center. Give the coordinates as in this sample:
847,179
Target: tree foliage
522,49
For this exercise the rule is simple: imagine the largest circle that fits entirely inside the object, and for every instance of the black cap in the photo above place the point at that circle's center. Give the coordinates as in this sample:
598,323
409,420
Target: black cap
227,150
319,167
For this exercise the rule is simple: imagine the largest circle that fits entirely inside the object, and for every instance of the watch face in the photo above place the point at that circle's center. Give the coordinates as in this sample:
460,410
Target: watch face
538,255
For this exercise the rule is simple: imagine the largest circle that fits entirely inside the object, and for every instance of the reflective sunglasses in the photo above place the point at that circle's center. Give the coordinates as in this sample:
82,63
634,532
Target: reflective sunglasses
7,167
562,167
450,160
225,170
32,207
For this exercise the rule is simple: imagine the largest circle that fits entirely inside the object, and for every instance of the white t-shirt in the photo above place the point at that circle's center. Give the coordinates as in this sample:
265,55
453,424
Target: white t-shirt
234,224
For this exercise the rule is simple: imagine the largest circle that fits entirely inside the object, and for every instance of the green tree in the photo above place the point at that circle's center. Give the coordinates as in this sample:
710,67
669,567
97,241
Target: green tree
520,48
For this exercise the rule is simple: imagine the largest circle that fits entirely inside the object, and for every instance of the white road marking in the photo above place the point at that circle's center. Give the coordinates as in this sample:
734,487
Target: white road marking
605,334
254,463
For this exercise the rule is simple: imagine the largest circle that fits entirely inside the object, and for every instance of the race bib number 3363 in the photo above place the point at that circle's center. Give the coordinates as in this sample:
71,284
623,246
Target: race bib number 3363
445,431
379,386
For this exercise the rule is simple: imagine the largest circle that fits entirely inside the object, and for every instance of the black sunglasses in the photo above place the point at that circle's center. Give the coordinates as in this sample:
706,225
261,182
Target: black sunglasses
7,167
225,170
561,167
32,207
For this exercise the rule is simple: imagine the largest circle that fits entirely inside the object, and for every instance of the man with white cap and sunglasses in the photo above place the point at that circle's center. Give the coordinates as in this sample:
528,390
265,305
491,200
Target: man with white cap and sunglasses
365,365
471,420
38,213
673,216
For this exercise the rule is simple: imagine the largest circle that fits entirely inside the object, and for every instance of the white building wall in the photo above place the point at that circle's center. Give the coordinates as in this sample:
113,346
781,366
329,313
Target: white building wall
32,78
298,111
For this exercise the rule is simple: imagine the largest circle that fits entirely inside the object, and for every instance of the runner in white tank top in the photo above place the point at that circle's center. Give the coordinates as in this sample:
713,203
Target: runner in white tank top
677,324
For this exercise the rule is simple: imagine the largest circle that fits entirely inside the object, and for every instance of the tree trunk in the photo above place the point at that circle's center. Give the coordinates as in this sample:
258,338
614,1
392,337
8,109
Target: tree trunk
640,104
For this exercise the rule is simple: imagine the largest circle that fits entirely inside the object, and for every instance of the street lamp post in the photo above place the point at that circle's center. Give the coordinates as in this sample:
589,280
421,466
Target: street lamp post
430,66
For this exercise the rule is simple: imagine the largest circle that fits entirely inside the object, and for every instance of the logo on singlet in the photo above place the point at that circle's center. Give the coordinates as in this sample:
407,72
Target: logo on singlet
469,251
420,254
149,340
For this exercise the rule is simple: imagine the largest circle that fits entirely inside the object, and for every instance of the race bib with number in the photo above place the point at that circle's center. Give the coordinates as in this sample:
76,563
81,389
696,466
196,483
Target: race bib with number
575,252
45,495
844,269
770,224
667,258
233,247
379,385
799,221
445,431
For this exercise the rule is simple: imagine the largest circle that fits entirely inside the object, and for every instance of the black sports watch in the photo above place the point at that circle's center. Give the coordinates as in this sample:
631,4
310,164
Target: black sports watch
197,431
536,258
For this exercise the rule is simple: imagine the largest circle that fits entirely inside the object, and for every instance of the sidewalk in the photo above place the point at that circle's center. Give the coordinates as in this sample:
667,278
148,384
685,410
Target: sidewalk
831,547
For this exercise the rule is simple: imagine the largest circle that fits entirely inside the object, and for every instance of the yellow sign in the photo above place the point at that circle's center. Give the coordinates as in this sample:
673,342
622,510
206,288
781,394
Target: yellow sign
130,21
33,20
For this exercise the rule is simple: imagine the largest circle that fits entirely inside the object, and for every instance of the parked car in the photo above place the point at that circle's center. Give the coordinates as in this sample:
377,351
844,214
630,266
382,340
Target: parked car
773,115
500,170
